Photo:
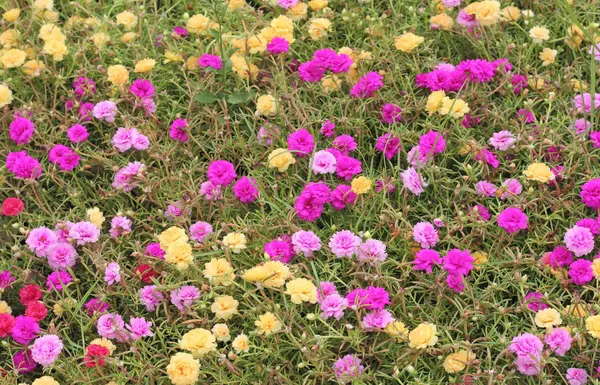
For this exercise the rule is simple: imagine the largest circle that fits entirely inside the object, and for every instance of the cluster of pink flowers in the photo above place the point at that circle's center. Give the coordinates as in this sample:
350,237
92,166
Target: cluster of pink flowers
322,61
529,348
112,326
451,78
23,166
126,138
348,368
128,177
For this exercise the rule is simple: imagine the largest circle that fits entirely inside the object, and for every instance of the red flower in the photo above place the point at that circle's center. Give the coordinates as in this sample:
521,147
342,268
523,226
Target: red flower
29,294
11,207
145,273
7,323
36,310
95,355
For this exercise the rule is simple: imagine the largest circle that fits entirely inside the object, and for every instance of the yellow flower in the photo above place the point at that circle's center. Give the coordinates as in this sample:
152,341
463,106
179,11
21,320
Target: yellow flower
241,343
330,83
270,274
118,74
423,336
397,329
548,56
58,310
225,307
40,5
183,369
266,105
13,58
595,269
236,242
592,324
104,342
12,15
574,36
576,310
283,25
4,308
511,13
49,32
256,44
457,108
539,172
128,37
577,85
179,253
144,65
233,5
33,67
361,185
191,64
268,324
486,12
242,68
200,24
45,380
539,34
9,38
91,22
442,21
95,216
221,332
219,272
100,39
408,42
547,318
281,159
50,16
434,101
298,11
6,96
537,83
56,48
317,5
170,235
456,362
127,20
198,341
479,258
318,28
301,290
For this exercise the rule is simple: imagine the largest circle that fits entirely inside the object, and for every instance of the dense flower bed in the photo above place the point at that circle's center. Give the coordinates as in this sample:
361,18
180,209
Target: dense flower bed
299,192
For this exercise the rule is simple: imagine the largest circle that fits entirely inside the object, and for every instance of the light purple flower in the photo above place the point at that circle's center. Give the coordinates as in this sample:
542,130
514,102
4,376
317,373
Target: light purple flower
112,273
344,243
45,350
84,232
425,234
413,181
105,110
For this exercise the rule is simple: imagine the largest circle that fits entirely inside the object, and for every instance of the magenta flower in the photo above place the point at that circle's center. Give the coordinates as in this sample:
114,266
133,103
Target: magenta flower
512,220
210,61
25,329
278,45
458,262
221,173
58,280
341,196
391,113
377,319
23,166
178,130
245,189
425,260
526,345
301,143
21,130
367,86
77,133
280,249
580,272
389,145
590,193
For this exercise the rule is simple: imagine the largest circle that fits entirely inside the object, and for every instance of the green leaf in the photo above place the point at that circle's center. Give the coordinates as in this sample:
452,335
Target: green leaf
205,97
238,97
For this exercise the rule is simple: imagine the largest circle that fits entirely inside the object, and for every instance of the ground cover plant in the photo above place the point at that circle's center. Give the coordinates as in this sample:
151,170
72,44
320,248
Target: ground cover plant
299,192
